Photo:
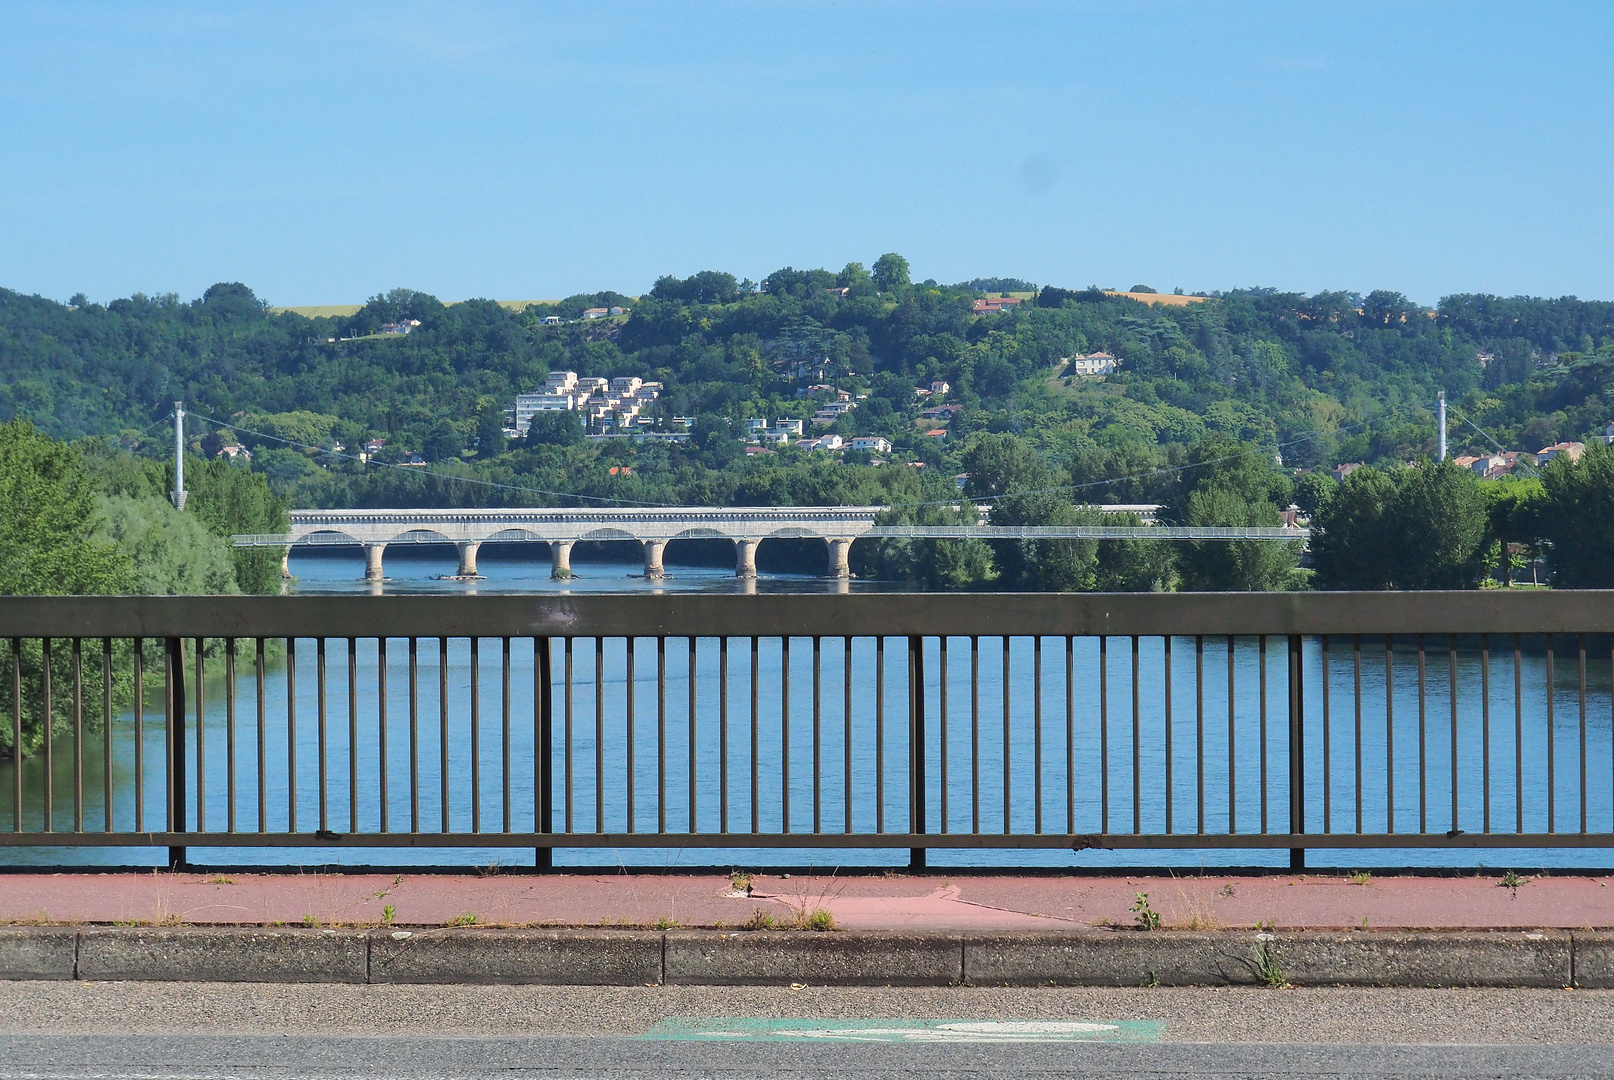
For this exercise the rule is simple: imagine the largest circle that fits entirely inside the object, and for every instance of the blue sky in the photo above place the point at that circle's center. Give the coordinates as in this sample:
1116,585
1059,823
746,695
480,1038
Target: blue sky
325,152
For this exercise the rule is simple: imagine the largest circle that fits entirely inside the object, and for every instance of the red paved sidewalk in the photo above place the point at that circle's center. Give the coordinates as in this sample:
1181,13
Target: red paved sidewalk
896,902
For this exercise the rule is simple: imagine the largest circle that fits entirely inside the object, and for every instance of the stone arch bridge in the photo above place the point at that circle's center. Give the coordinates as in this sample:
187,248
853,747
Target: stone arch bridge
654,528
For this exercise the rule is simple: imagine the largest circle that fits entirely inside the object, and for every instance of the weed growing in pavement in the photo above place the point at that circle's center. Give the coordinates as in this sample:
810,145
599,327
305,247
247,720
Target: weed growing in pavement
666,922
1151,979
1146,917
1361,877
311,921
1265,926
740,881
468,919
819,919
1266,966
387,915
759,920
1511,882
221,880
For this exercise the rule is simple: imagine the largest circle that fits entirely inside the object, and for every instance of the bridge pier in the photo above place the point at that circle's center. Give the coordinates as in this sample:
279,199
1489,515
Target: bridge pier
745,558
840,550
372,562
468,549
652,558
560,559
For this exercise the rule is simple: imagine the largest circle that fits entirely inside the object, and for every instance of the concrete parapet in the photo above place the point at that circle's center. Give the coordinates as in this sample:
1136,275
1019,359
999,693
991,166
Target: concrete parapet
38,952
233,954
555,957
762,958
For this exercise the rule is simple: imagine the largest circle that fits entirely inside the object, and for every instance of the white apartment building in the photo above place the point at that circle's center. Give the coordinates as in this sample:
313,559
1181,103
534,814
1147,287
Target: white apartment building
606,402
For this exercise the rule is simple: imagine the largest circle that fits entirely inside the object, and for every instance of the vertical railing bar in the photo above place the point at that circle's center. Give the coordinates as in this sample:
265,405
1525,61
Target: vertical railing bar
1103,735
568,734
694,806
139,735
661,733
174,740
941,662
1166,671
1297,747
260,678
48,712
1036,729
291,734
476,734
1356,669
106,739
918,771
381,727
630,719
78,734
414,735
1137,742
1581,639
504,723
229,737
1451,667
1423,756
879,733
201,745
442,731
1552,740
1199,733
818,786
846,733
352,735
1008,804
1485,725
1263,688
1070,735
1328,761
16,733
1389,732
1232,742
1518,730
723,733
975,735
543,744
784,733
599,734
319,684
756,731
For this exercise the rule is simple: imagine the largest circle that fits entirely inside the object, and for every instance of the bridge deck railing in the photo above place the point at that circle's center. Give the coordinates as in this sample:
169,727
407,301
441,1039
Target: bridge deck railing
908,722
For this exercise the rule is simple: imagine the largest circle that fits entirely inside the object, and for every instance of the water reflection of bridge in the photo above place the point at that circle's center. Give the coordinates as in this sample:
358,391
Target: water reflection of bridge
654,528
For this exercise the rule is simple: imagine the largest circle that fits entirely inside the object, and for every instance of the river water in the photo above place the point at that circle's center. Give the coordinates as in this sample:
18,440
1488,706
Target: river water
1034,768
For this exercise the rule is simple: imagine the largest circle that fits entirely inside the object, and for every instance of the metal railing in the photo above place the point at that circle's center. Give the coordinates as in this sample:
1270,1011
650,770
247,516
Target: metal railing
872,721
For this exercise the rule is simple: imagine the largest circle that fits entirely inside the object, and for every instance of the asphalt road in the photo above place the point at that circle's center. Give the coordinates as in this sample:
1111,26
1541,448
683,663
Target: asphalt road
185,1030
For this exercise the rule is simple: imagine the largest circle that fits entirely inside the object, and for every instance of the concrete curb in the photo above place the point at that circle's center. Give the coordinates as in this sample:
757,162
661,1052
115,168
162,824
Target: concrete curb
566,957
718,958
741,958
236,954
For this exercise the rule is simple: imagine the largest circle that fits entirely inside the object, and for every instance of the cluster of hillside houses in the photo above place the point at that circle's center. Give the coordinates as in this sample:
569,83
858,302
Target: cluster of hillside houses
609,406
1505,462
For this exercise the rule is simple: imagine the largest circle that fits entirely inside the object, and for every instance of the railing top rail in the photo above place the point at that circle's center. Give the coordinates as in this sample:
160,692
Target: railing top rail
867,614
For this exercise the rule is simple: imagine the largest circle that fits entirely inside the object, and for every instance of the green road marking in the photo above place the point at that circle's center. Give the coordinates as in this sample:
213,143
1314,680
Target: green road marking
905,1031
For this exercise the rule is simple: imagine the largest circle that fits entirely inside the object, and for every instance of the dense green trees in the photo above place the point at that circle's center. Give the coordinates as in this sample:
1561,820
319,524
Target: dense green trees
1575,516
48,542
1423,527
